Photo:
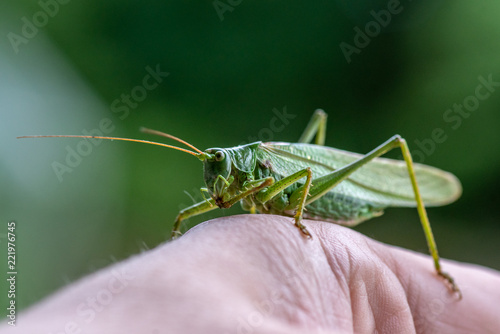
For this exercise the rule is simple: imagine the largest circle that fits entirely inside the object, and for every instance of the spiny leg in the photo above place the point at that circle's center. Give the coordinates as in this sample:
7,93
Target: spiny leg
300,209
425,220
316,126
324,184
209,204
255,186
268,193
193,210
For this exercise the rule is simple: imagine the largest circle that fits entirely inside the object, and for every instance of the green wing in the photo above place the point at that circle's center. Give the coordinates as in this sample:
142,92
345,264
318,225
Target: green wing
384,182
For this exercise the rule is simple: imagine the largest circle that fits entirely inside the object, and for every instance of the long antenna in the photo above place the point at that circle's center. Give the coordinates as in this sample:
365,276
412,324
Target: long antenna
116,138
163,134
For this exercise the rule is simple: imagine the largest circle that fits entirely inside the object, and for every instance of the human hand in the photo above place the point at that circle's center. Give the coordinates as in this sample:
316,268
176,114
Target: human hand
258,274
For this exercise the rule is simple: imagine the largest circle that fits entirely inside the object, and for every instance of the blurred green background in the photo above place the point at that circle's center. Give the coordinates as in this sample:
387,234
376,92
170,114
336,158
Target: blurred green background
229,67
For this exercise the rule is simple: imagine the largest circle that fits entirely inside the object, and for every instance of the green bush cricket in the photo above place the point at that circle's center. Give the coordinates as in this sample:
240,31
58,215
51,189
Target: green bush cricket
305,180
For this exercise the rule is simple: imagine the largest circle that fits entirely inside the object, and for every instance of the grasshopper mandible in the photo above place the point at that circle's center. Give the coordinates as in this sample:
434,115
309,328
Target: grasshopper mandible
305,180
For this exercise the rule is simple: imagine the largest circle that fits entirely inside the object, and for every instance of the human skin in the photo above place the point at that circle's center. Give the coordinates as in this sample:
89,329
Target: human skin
258,274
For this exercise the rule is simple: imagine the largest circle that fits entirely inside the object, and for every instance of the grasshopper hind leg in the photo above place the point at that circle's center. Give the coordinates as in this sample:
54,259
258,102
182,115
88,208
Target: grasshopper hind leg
327,182
316,127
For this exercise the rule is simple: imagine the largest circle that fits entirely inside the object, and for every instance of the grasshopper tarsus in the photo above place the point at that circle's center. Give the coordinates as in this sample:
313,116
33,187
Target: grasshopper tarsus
305,232
302,228
175,235
451,283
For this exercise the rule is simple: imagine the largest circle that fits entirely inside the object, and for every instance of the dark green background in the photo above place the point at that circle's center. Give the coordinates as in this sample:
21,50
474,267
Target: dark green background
226,77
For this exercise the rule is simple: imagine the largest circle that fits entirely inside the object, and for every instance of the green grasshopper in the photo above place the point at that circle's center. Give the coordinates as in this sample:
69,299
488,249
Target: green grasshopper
304,180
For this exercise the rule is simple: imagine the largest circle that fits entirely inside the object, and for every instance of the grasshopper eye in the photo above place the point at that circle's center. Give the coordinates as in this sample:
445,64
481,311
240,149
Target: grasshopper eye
219,156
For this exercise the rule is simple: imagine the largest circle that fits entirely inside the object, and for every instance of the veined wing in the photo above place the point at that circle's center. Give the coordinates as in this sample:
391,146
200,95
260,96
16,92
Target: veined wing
382,181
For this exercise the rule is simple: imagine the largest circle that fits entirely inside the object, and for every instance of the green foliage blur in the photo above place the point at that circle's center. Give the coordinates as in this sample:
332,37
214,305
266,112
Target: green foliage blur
376,67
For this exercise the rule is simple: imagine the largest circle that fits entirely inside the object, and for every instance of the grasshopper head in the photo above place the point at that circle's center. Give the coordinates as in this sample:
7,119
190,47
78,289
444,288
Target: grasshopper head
217,173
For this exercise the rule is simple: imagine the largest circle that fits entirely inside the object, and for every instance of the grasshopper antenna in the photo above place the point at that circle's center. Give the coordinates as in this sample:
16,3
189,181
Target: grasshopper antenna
124,139
163,134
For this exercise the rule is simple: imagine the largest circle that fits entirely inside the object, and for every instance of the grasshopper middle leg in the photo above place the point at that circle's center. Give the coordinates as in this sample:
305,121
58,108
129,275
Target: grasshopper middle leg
268,193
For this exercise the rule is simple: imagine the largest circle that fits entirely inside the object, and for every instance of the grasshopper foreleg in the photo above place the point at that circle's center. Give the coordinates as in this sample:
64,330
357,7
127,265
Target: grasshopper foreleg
193,210
209,204
254,187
